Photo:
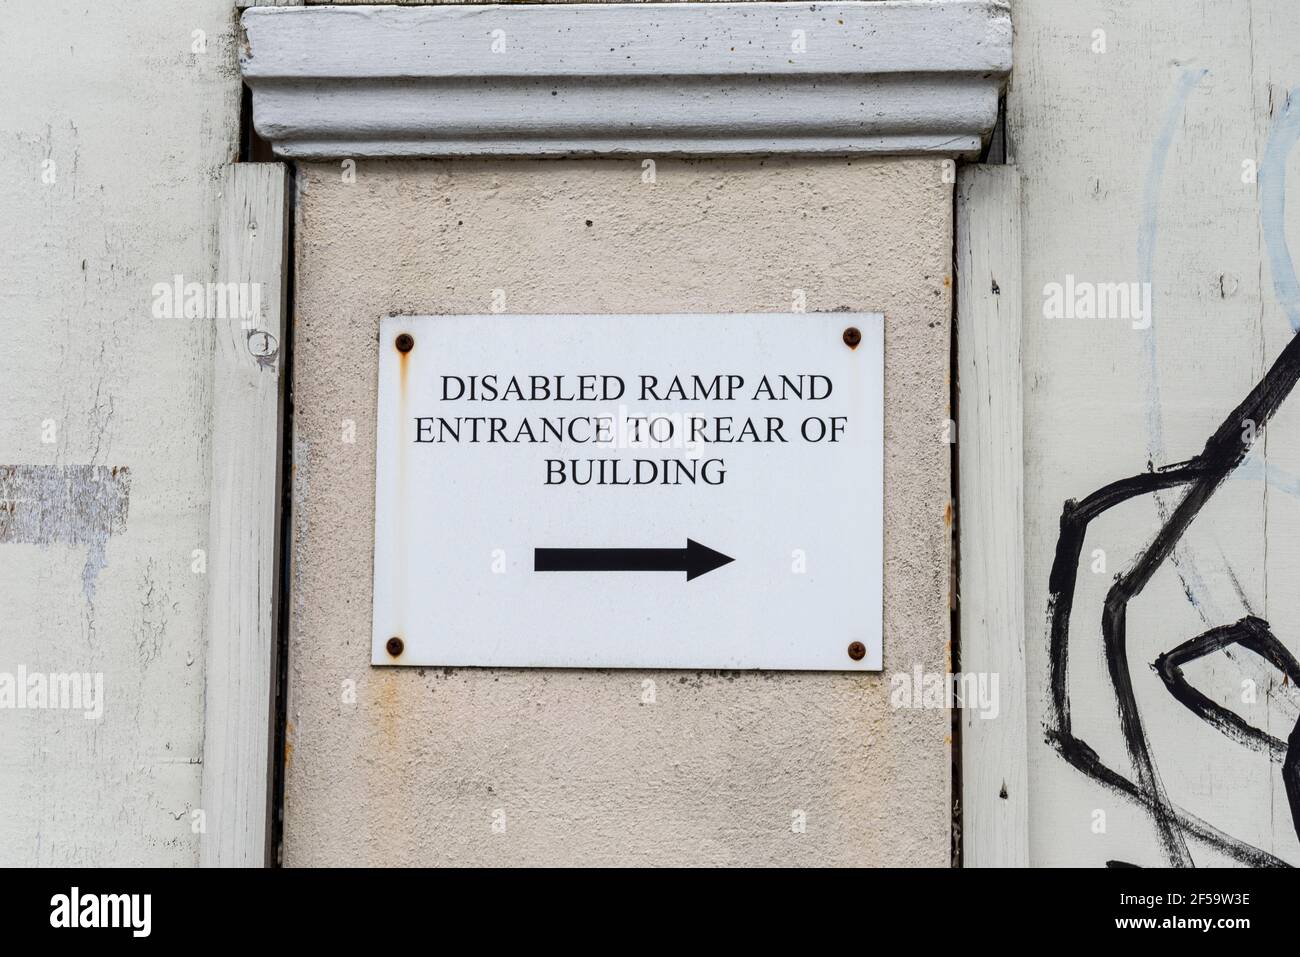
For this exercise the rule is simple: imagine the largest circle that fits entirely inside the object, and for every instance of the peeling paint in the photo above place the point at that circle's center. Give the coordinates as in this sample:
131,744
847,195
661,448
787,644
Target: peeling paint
65,505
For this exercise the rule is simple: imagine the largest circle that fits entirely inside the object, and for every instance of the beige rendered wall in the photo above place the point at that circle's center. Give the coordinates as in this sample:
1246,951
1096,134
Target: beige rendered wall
578,766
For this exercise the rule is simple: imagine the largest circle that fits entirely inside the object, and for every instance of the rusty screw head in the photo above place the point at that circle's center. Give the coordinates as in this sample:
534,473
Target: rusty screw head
857,650
395,647
851,339
405,342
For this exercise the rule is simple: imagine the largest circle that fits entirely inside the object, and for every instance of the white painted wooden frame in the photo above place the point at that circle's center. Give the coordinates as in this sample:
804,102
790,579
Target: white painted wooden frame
990,515
898,76
892,77
243,546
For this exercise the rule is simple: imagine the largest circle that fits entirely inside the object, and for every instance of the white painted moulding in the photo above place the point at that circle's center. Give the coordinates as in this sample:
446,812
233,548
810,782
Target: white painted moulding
900,77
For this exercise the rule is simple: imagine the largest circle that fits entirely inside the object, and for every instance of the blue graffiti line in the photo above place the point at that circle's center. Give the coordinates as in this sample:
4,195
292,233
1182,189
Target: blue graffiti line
1254,470
1184,562
1146,248
1272,181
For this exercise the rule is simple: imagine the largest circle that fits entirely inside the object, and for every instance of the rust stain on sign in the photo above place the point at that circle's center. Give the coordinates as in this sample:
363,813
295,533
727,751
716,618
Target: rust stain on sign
65,505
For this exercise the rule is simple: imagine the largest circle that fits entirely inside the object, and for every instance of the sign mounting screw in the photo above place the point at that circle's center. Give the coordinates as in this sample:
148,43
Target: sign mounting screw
405,342
857,650
395,647
852,337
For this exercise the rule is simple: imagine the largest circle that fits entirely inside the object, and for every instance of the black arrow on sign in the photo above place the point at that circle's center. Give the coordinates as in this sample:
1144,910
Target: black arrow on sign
695,559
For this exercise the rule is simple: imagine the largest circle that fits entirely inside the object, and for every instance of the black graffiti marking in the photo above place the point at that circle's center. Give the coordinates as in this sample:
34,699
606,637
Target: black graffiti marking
1253,634
1250,633
1291,775
1201,476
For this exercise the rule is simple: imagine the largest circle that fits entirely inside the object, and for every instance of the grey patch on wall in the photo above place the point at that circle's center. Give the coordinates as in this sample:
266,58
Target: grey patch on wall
65,505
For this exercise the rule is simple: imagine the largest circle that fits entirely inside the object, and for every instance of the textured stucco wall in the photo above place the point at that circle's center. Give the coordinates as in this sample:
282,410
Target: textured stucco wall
116,120
417,769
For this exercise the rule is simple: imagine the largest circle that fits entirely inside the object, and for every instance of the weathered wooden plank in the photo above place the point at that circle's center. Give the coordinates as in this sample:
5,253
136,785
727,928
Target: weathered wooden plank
994,801
106,410
1129,123
1274,465
425,3
243,539
687,39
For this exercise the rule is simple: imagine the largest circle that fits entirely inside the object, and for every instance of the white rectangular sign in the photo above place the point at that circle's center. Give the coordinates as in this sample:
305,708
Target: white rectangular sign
632,491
